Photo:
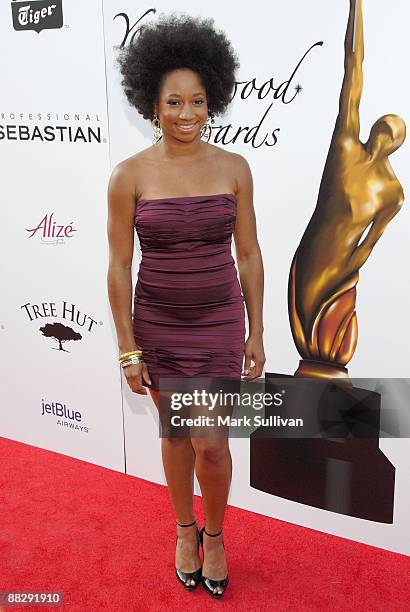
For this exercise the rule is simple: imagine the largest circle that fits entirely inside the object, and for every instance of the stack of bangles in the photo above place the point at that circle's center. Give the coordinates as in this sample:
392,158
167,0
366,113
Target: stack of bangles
131,358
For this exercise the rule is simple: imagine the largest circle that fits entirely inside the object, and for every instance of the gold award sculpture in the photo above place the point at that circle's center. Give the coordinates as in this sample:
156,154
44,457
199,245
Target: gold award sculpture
334,461
359,194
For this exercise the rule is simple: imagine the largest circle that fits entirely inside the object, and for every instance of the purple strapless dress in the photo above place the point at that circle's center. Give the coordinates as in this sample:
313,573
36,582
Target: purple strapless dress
189,313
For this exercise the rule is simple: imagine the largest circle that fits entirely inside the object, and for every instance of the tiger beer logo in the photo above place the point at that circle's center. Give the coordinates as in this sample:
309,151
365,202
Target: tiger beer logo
37,15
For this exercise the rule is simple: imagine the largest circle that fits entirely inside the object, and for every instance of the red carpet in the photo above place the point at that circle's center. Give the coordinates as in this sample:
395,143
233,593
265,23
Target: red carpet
107,541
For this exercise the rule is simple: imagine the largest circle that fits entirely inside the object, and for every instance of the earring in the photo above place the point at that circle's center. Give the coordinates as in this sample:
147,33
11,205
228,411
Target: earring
156,126
207,128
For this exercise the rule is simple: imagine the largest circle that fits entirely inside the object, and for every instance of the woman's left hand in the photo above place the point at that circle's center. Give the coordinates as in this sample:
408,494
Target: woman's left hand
253,351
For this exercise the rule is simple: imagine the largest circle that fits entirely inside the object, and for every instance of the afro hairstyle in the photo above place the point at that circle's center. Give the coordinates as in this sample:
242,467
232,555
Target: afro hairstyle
178,41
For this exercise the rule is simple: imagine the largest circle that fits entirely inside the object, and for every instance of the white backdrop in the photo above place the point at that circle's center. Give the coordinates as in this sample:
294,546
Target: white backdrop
57,78
57,71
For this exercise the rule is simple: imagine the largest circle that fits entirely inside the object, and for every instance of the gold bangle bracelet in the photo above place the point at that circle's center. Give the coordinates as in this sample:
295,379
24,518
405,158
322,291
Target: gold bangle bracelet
130,354
131,362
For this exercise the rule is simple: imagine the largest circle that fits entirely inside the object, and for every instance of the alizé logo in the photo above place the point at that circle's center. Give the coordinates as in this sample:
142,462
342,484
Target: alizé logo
50,232
55,330
37,15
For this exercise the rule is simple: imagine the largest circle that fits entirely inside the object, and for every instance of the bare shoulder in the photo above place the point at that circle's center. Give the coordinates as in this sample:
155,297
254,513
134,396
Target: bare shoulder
238,163
120,174
126,173
228,156
242,172
234,165
138,160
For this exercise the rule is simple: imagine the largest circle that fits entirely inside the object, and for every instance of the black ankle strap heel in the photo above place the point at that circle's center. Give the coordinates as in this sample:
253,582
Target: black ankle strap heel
186,525
209,584
212,535
187,578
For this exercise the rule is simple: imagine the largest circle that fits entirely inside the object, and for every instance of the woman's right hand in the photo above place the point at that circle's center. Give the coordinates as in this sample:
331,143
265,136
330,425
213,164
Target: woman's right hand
135,374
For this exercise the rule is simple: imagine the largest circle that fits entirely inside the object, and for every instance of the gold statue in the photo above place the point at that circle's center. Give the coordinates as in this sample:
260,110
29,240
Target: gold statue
359,191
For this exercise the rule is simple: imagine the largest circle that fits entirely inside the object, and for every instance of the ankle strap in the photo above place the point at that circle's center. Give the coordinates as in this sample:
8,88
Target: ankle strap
187,525
213,535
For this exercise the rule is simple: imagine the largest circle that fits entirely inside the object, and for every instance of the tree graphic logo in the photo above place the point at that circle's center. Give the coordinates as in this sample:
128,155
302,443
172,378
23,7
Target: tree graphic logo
61,333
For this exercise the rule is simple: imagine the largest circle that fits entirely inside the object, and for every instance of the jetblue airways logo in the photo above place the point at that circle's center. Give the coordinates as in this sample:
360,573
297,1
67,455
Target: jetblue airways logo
60,410
37,15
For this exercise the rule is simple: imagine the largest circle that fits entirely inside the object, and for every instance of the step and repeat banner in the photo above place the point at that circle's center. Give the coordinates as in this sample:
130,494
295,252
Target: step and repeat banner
61,387
65,123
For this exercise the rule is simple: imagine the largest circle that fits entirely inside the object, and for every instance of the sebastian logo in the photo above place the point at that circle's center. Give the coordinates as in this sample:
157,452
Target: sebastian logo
37,15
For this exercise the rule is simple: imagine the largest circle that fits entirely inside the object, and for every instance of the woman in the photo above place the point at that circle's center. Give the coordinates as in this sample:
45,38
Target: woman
188,317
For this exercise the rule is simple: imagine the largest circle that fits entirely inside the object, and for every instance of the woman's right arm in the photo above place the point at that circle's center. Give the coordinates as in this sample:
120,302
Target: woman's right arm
120,230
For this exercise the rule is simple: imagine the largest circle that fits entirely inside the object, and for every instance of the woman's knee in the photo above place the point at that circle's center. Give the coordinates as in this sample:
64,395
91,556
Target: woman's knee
213,451
177,442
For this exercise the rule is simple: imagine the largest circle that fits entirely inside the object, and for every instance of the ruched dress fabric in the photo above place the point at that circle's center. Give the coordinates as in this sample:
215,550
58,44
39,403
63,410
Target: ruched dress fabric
189,313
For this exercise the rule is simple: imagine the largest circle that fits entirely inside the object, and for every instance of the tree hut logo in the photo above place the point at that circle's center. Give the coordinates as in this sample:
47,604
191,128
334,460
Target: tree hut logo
37,15
61,334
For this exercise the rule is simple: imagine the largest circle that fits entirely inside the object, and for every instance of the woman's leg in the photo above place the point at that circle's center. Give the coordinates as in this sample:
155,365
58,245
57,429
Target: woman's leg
178,458
213,467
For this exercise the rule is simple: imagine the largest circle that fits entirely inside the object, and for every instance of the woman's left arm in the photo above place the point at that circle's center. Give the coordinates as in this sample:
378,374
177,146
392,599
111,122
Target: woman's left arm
250,266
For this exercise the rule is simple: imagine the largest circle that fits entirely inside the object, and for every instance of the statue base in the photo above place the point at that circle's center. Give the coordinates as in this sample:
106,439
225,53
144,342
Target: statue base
348,475
313,368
